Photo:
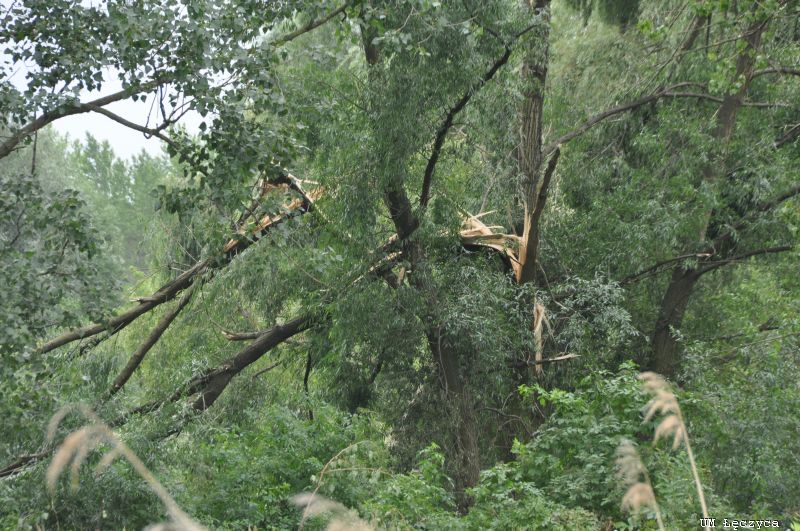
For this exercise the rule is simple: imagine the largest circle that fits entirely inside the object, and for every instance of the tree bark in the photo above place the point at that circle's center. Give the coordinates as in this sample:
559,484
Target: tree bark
670,316
458,402
529,153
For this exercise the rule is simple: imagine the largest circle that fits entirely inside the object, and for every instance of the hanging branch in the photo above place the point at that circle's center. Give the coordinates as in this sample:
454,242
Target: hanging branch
164,294
137,357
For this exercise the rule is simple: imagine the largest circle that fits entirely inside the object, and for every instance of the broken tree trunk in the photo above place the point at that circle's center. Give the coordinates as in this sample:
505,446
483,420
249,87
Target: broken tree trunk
529,151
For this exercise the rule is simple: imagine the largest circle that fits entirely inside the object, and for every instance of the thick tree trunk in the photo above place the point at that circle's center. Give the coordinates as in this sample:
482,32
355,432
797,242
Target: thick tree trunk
529,152
666,351
458,403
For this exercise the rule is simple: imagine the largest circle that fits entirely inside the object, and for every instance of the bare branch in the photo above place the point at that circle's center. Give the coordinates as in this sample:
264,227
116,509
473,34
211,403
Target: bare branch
131,125
242,336
710,266
544,361
266,369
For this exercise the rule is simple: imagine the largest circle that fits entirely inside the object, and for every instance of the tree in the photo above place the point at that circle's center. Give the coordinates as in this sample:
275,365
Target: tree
377,244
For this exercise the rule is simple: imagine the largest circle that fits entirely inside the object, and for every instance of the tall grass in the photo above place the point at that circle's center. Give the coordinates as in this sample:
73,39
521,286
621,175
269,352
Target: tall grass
640,490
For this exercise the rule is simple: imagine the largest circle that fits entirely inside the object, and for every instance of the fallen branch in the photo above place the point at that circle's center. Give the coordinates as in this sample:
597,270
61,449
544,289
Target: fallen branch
210,385
171,289
137,357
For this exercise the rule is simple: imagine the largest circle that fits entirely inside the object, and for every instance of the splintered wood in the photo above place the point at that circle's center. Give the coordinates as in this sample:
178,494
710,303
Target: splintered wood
476,232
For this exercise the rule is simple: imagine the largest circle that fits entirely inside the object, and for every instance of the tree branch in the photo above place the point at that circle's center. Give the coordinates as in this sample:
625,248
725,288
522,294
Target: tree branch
789,136
657,268
669,92
164,294
137,357
444,128
312,25
776,70
763,207
131,125
71,109
210,385
710,266
171,289
79,108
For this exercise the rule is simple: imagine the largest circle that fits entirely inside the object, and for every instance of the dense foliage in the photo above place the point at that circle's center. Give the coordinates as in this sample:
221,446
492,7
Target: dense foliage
412,261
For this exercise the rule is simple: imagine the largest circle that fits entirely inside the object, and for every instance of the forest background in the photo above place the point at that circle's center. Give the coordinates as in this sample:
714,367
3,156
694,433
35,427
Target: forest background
412,260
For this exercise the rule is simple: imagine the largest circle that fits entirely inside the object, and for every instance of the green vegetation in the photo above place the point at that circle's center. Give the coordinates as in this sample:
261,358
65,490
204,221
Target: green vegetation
408,271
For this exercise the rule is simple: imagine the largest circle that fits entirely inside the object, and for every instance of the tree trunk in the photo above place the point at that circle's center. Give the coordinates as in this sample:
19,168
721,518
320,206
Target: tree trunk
458,403
666,354
529,153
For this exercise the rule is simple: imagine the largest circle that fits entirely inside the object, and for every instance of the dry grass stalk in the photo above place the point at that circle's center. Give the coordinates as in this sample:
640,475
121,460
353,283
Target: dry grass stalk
665,403
77,446
313,500
634,475
342,519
